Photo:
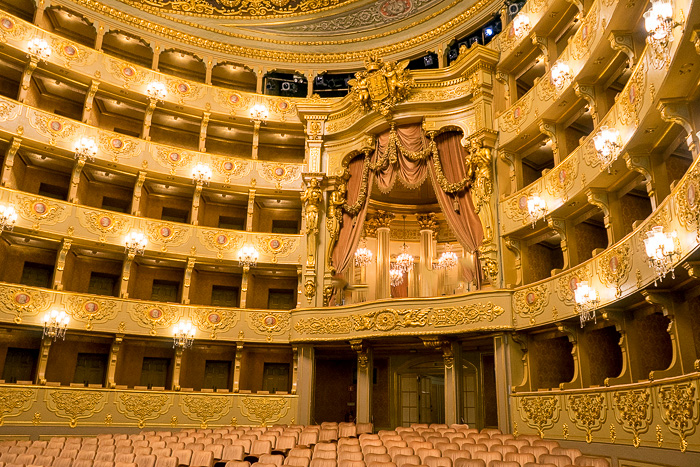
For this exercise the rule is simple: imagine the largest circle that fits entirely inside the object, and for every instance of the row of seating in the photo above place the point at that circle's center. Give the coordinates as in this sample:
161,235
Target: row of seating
325,445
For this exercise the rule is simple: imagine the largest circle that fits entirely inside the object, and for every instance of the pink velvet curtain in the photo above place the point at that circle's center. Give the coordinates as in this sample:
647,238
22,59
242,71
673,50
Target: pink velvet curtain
458,208
411,173
351,229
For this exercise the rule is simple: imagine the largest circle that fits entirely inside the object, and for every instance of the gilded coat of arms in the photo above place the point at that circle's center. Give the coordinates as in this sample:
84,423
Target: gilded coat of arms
382,85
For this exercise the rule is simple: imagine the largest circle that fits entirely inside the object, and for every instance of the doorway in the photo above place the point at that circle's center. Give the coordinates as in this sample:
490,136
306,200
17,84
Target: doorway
421,392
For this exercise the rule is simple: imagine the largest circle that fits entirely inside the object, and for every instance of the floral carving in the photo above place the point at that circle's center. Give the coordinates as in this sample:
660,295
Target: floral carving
468,314
127,73
560,179
687,198
205,409
215,320
72,53
632,411
172,158
89,309
23,301
14,401
278,173
324,325
154,316
75,405
52,126
167,234
39,210
390,319
9,110
587,411
540,412
119,146
679,412
103,224
264,410
583,39
142,407
232,168
530,302
268,323
275,245
185,90
614,266
512,119
632,97
566,284
220,241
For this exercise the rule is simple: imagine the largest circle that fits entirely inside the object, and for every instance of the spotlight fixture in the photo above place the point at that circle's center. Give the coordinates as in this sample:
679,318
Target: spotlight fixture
662,251
536,208
587,301
8,217
56,324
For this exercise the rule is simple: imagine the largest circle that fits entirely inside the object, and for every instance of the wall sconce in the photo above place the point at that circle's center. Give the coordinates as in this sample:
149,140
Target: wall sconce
38,49
56,324
561,73
8,217
662,250
259,113
156,91
608,144
659,23
587,301
521,25
248,256
135,243
201,174
536,208
183,335
85,149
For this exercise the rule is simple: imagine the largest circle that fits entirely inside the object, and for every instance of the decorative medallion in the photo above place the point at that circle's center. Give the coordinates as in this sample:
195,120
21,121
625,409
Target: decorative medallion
172,158
530,302
143,406
232,168
583,38
279,174
568,283
185,90
41,211
614,266
167,234
561,179
119,146
21,301
75,404
687,198
205,408
128,74
154,316
104,224
277,246
631,99
52,127
264,410
215,320
91,310
268,323
71,53
512,119
220,241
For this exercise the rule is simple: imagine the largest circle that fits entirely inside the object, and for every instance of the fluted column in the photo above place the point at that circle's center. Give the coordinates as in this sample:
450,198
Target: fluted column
364,381
501,354
383,219
426,276
305,383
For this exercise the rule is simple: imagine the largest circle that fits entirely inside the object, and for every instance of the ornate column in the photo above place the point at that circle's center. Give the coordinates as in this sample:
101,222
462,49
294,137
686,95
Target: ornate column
203,131
75,180
256,138
365,371
426,276
305,383
112,363
10,162
187,281
249,213
244,286
452,358
196,199
312,201
26,78
207,73
89,99
383,220
236,385
177,366
100,36
61,264
501,356
126,274
156,56
148,116
43,360
136,198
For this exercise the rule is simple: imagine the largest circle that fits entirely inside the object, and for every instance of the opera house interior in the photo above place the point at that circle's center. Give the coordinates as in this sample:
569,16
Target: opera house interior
349,233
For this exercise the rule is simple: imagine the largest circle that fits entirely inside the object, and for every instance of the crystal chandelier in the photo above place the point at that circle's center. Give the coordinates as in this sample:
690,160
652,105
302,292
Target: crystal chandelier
560,73
658,21
396,276
183,335
404,260
85,149
135,243
259,113
521,24
363,255
447,260
201,174
662,250
55,324
8,217
607,144
587,301
39,49
156,91
536,208
248,256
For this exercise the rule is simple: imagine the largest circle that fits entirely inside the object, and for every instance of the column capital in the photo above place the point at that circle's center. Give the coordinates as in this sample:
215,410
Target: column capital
428,221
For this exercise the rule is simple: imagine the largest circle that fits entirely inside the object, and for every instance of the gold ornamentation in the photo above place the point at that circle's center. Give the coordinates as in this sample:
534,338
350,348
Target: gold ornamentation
687,198
381,86
90,310
588,412
679,412
312,199
9,110
512,119
613,434
389,319
264,410
632,411
240,8
275,245
279,173
659,436
587,32
231,168
143,406
40,210
310,289
185,90
590,155
219,241
72,53
565,431
478,166
167,234
614,266
52,126
540,412
567,283
23,301
324,325
103,224
154,316
119,146
9,26
214,320
109,419
530,302
15,401
427,221
205,408
632,97
172,158
75,404
127,73
236,101
268,323
560,179
467,314
36,421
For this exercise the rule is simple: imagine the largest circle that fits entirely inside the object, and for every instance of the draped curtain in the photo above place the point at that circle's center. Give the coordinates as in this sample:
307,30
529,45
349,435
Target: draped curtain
458,207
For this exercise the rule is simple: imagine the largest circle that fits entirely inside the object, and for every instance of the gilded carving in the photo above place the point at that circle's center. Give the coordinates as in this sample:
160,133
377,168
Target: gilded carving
9,110
264,410
589,154
15,401
467,314
381,86
75,404
679,412
167,234
540,412
560,179
22,301
143,406
104,223
119,146
214,320
632,411
566,284
390,319
172,158
587,32
276,246
91,310
588,412
219,241
205,408
185,90
324,325
128,74
10,27
231,168
530,302
632,97
614,266
72,53
687,200
512,119
154,316
268,323
41,211
279,173
52,126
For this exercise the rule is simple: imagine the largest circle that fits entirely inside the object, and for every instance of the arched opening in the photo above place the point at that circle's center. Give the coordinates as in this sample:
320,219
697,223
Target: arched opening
421,391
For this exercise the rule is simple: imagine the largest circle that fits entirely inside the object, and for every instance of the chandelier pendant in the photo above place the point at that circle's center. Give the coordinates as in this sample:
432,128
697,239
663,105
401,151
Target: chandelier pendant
662,250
